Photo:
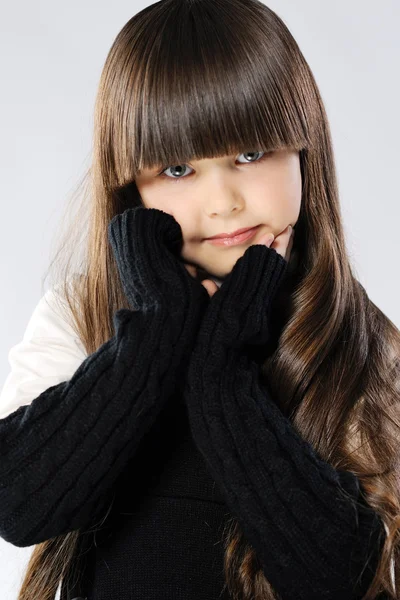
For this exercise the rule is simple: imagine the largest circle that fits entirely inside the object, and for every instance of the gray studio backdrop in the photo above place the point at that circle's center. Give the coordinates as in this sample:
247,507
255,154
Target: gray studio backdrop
51,55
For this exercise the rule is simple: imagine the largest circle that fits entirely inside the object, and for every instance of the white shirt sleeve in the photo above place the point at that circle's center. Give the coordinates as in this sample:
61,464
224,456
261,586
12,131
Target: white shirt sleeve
49,353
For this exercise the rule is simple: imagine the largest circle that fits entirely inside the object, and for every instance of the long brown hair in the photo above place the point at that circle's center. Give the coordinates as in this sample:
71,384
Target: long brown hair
191,79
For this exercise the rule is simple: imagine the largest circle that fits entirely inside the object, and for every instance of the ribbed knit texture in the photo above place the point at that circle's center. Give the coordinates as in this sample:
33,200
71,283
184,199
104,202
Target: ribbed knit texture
169,417
62,454
307,521
163,537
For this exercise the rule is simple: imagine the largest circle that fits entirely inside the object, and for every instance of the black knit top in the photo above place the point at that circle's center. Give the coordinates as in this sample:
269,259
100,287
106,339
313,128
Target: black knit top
163,537
166,432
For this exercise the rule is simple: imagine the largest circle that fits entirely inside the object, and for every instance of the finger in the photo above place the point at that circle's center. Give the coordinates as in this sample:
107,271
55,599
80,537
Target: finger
282,242
210,286
291,240
290,246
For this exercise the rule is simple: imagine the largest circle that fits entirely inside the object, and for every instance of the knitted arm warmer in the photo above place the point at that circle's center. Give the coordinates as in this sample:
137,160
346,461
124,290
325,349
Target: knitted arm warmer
306,521
61,454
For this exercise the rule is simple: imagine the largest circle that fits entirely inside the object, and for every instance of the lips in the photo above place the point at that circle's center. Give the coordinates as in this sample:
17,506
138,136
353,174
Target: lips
230,235
235,240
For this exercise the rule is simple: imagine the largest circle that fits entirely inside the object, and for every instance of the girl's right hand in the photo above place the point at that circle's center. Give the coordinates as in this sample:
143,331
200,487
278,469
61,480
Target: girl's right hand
147,243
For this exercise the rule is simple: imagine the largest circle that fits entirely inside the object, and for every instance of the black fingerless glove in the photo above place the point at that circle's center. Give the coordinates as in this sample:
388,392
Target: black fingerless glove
239,312
146,243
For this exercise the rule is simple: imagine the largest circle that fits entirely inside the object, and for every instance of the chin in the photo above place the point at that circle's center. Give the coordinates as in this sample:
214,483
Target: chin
203,274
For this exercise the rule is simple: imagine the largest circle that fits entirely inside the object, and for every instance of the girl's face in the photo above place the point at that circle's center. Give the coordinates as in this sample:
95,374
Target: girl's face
220,195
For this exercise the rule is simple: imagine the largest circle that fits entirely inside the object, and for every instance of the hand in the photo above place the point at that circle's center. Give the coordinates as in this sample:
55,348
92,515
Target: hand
283,244
146,243
239,312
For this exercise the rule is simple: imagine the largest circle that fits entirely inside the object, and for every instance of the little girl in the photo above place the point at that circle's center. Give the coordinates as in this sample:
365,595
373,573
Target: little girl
208,407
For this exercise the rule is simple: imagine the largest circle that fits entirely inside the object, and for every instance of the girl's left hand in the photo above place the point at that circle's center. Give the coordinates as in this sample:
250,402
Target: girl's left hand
283,244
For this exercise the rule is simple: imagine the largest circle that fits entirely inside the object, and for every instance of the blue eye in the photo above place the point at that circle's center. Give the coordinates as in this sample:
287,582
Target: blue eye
180,170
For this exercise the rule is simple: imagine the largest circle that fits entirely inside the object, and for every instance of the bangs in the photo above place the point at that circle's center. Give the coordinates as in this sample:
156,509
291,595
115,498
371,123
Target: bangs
207,90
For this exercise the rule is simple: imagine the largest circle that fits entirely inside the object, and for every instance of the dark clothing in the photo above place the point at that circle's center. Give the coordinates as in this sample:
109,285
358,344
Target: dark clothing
164,542
176,451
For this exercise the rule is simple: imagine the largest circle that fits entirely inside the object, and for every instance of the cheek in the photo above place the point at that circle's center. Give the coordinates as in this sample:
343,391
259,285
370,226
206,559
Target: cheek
292,202
285,195
279,206
294,185
152,195
151,199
